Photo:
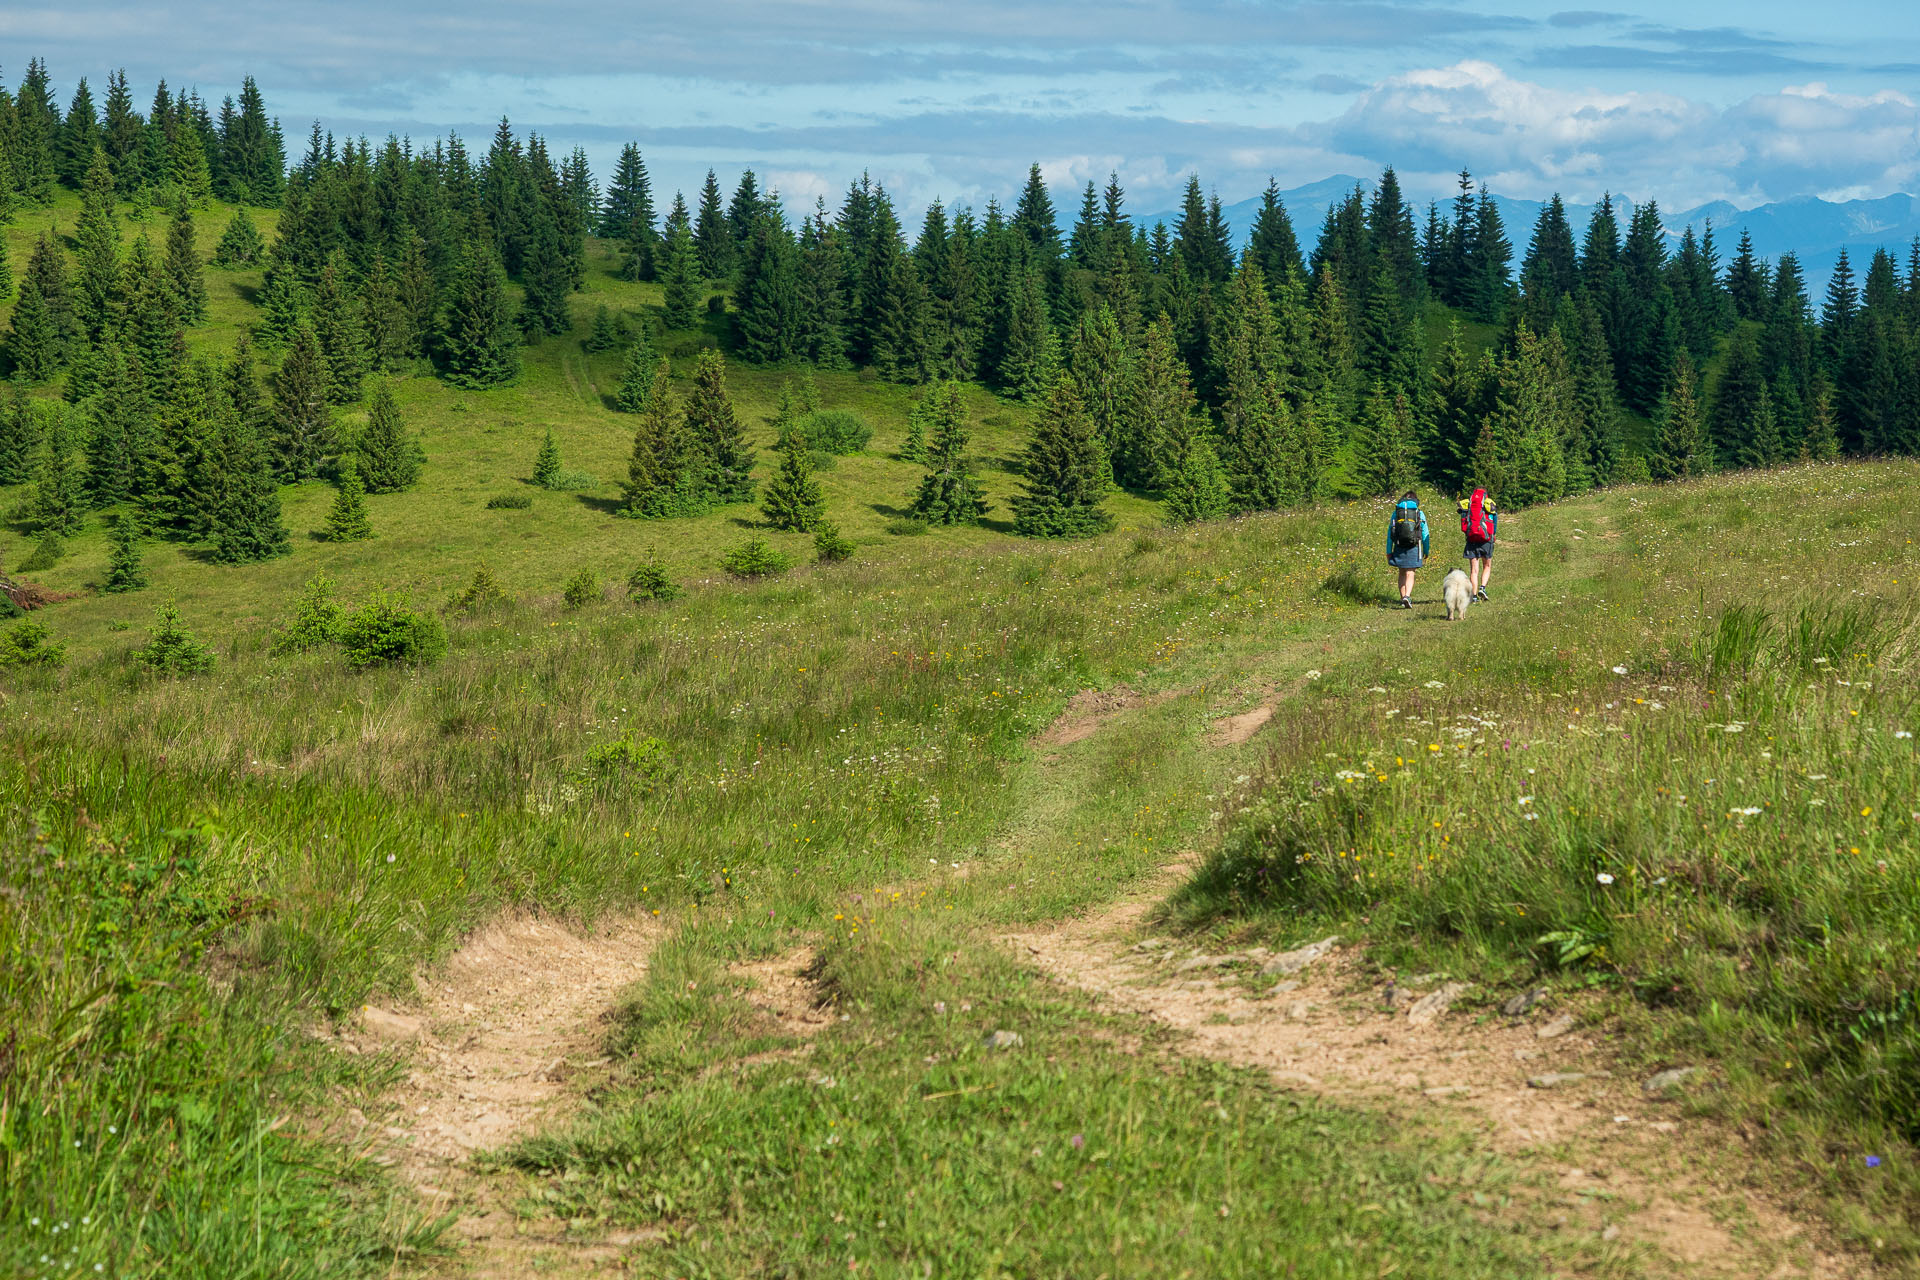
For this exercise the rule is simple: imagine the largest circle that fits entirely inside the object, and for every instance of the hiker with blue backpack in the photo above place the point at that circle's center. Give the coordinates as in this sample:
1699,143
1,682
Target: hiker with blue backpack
1407,543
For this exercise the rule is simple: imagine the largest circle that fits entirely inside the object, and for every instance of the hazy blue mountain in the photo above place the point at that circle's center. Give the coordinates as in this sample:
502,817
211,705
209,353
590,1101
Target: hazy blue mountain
1814,229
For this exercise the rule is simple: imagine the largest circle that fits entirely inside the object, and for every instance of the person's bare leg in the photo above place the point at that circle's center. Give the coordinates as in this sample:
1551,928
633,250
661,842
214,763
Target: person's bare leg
1406,584
1486,574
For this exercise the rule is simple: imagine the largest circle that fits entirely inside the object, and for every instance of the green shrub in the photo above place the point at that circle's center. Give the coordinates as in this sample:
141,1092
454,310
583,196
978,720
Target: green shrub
582,589
755,559
509,502
25,644
316,619
834,430
574,481
830,545
907,526
484,592
171,649
385,630
649,581
644,761
45,554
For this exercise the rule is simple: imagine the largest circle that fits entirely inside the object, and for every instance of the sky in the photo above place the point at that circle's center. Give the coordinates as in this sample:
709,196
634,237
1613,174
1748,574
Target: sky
1683,101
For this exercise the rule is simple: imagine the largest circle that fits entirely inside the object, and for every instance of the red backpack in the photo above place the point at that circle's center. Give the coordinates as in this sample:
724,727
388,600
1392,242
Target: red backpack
1474,522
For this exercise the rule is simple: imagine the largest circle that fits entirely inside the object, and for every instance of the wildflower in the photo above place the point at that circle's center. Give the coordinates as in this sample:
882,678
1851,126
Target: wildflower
1079,1140
1873,1162
1864,812
1604,878
1745,813
1901,733
1619,671
1313,675
1525,801
1435,684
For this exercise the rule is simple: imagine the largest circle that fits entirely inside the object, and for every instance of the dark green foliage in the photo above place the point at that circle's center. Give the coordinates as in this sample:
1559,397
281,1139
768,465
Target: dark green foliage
1823,437
120,439
1104,372
1385,457
636,377
340,327
347,518
125,572
302,423
835,431
48,550
387,322
246,522
1195,484
668,473
769,294
316,619
1520,456
680,269
829,545
43,326
606,333
478,340
1066,474
96,291
55,501
711,235
713,428
913,445
186,281
283,306
581,590
19,433
755,559
1152,436
547,274
389,456
240,245
25,644
792,498
1681,448
6,268
484,592
949,493
650,581
546,463
509,502
171,650
385,631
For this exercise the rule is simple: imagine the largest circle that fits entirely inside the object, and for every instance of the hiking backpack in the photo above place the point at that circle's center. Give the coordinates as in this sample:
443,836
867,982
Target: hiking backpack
1406,528
1474,521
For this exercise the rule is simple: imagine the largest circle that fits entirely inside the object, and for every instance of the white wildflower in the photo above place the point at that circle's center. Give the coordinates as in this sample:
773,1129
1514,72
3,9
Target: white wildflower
1619,671
1604,878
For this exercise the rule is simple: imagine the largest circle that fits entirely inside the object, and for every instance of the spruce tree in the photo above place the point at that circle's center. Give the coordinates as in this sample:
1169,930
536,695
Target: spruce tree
767,325
1520,456
711,235
387,322
96,292
388,457
546,274
546,463
37,343
125,572
712,426
302,422
120,438
341,330
1029,349
1823,435
240,245
680,269
19,434
1162,427
949,493
604,335
6,269
1680,445
666,475
636,377
186,285
1195,484
1384,449
347,519
1103,371
55,503
1739,402
479,342
913,446
283,305
1066,473
793,499
246,523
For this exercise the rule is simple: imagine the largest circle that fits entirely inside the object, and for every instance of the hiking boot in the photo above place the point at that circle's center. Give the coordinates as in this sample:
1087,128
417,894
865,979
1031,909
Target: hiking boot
1481,594
1406,602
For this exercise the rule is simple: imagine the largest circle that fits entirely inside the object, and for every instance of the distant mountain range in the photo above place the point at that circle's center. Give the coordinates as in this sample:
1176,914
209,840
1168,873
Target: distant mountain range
1815,230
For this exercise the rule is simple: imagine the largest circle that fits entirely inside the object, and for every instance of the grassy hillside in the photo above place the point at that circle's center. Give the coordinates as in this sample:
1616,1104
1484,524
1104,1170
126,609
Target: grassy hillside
1669,763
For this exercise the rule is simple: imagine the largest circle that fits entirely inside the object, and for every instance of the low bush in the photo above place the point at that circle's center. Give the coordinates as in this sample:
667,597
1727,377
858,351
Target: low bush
632,758
582,589
316,619
171,649
907,526
649,581
385,630
755,559
484,592
25,644
509,502
835,430
830,545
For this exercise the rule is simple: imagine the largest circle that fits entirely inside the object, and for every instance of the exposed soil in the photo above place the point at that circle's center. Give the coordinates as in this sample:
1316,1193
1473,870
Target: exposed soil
1231,731
1085,713
512,1017
1649,1185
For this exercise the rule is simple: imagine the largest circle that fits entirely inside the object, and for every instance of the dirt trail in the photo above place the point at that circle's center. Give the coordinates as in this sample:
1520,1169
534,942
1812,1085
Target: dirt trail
503,1026
1650,1186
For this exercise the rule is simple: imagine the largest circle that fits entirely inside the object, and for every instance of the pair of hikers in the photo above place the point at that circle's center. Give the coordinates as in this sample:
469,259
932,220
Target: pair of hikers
1408,541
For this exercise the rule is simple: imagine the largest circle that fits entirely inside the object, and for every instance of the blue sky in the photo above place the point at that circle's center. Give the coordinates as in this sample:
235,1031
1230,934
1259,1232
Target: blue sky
1682,101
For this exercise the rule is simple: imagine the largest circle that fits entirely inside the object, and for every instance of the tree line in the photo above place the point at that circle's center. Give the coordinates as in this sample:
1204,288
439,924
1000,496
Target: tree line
1220,378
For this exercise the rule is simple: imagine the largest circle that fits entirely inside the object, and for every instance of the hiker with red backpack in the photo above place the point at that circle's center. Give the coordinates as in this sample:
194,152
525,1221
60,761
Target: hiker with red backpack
1407,542
1480,523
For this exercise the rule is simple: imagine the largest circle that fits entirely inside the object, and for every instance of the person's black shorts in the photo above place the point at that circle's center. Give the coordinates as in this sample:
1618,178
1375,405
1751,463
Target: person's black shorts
1480,550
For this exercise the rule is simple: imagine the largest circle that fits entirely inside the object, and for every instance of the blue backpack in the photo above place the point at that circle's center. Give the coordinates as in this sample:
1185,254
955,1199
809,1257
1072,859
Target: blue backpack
1406,527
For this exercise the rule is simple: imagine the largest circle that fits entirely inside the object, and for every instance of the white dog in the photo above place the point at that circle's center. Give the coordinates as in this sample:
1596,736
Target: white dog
1458,593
